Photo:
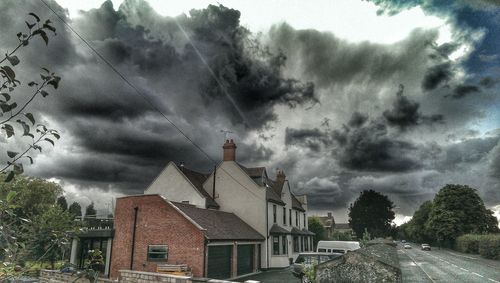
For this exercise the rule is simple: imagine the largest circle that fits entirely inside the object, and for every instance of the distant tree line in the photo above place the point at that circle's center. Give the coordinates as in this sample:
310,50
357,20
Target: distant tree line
455,210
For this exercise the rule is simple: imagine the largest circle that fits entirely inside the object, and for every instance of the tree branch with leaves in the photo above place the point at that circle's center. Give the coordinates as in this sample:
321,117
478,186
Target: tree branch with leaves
12,112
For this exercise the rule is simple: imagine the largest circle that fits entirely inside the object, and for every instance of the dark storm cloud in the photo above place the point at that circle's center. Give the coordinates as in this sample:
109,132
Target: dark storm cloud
102,115
357,120
314,139
369,148
436,76
404,113
463,90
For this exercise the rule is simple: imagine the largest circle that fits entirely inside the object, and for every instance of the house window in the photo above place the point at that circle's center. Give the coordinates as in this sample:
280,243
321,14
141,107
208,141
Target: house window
290,217
303,244
284,245
157,253
304,220
274,213
284,215
276,245
306,246
297,218
295,244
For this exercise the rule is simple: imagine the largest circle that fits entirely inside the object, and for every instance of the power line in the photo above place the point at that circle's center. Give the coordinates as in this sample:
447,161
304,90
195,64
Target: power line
146,98
126,80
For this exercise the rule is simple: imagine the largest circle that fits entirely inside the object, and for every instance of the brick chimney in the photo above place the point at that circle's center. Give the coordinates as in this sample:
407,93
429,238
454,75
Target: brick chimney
229,150
280,176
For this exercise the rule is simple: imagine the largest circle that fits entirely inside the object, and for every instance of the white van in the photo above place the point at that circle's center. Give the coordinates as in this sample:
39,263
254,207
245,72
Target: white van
337,246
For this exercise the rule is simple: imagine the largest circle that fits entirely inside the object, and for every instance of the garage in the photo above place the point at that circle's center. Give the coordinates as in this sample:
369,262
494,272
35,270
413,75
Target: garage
245,259
219,262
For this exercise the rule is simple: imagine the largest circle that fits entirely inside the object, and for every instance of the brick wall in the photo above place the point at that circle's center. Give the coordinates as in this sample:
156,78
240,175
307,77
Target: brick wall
158,223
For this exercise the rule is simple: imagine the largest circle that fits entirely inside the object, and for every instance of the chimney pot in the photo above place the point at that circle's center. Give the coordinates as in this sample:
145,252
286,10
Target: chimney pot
329,215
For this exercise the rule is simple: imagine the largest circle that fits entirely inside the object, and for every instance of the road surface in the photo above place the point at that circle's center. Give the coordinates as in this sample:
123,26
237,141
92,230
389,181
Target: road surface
446,266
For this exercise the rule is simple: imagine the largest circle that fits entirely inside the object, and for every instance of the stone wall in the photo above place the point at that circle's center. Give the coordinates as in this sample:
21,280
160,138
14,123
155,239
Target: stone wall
54,276
127,276
375,263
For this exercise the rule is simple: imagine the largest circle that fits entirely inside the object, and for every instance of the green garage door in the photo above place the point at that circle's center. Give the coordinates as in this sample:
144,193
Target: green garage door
245,259
219,262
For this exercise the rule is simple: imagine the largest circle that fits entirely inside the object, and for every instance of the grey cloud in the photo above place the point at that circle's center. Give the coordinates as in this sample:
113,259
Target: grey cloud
437,75
369,148
405,113
314,139
463,90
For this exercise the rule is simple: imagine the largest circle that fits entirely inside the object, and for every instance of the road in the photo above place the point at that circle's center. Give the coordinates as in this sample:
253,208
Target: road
446,266
273,276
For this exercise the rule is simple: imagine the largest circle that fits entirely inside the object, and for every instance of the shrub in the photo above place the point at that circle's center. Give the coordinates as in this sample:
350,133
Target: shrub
489,246
468,243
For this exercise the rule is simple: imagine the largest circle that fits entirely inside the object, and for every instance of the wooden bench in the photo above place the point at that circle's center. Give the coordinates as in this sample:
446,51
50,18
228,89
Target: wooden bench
174,269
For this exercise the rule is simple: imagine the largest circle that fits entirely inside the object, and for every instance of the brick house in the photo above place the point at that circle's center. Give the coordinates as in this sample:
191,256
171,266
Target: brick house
232,221
212,243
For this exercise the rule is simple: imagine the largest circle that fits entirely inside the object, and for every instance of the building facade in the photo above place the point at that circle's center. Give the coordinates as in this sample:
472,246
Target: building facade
232,221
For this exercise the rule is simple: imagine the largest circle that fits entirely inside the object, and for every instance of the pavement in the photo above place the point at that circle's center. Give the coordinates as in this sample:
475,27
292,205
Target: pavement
443,265
282,275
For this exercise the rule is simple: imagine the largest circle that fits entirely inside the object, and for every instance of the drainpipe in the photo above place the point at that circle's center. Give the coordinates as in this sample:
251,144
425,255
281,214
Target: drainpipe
267,232
213,191
136,209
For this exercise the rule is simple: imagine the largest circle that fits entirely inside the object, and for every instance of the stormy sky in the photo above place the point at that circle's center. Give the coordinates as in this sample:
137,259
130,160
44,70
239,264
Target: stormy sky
400,98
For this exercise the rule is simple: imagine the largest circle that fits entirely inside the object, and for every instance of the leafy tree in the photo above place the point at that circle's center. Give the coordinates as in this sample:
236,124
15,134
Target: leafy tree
416,228
11,107
34,195
50,234
61,201
75,209
371,211
90,211
458,210
317,228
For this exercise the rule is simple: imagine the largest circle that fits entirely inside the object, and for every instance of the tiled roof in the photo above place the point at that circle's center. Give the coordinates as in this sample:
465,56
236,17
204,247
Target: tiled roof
296,204
219,225
197,179
273,197
254,173
276,229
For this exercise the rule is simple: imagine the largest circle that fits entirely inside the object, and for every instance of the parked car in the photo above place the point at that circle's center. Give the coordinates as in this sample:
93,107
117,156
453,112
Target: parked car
403,241
426,247
407,246
310,259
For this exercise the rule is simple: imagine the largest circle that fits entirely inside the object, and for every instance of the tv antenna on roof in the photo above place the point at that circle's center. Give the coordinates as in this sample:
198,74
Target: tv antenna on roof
226,134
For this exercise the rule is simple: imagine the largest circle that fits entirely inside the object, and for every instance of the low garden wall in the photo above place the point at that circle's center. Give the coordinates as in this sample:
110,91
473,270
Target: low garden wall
127,276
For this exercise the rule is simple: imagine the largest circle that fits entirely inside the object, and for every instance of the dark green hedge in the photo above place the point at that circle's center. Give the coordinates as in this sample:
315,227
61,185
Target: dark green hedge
488,246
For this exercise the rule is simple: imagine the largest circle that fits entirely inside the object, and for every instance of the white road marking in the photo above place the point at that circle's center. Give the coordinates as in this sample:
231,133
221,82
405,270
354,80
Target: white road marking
464,269
469,257
420,267
493,280
477,274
